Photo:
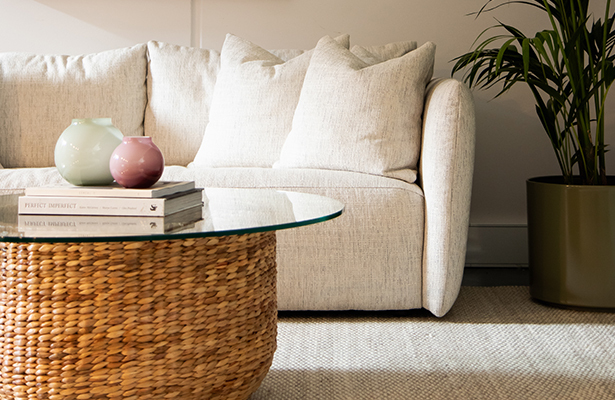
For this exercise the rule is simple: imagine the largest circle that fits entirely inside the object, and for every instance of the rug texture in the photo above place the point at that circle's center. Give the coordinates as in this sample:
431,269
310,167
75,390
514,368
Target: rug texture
495,343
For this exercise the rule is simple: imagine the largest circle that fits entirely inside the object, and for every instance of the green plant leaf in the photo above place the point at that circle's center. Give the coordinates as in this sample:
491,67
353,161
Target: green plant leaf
569,66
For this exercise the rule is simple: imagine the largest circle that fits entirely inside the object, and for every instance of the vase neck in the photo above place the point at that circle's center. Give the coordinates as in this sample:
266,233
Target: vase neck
137,139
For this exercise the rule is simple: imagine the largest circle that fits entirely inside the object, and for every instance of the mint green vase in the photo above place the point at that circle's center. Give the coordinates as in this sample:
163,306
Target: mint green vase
83,151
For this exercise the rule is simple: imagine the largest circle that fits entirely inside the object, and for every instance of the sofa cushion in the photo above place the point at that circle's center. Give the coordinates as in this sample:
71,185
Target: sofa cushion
348,262
180,85
41,94
358,117
380,214
253,105
21,178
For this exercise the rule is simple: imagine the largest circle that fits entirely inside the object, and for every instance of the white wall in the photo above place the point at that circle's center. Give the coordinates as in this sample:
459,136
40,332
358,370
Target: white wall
511,145
87,26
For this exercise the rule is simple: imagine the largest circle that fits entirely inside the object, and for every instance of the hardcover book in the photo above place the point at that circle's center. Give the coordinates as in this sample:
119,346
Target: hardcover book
92,225
159,189
129,206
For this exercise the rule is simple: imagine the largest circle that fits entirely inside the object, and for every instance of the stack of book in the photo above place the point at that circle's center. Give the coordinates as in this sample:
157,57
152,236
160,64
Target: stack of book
164,207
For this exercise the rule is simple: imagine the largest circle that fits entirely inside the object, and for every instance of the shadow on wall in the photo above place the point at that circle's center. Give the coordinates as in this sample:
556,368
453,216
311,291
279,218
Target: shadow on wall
134,21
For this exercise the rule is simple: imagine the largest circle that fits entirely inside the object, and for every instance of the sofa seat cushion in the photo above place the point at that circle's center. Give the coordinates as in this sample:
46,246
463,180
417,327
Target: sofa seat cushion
380,214
21,178
41,94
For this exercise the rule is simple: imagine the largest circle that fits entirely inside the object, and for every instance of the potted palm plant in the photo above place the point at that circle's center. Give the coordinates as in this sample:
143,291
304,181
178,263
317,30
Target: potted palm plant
569,68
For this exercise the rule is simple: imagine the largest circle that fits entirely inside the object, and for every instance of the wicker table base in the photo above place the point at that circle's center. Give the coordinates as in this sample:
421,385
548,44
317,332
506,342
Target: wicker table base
172,319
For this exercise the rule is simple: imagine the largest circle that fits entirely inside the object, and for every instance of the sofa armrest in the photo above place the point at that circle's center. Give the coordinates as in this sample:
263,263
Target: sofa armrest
445,174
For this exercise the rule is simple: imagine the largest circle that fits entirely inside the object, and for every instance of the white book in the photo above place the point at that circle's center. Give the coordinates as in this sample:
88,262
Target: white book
75,205
89,225
159,189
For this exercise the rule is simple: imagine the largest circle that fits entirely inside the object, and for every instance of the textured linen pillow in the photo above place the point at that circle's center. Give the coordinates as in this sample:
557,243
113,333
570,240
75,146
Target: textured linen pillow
41,94
358,117
253,105
180,86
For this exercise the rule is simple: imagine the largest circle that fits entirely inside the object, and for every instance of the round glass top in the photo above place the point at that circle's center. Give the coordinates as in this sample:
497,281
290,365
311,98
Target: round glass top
224,212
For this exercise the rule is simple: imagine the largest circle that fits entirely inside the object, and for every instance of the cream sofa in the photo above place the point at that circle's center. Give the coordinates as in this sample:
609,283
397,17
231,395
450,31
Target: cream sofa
368,126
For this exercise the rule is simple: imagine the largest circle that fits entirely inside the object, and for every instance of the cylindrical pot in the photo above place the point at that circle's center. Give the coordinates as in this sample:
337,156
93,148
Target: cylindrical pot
83,151
571,230
137,162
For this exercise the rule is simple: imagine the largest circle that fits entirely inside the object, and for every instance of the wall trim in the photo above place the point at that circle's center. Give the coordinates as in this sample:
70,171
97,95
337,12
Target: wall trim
497,246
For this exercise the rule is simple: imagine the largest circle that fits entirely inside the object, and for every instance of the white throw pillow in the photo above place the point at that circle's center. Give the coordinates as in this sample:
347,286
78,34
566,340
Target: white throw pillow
41,94
180,86
253,105
353,116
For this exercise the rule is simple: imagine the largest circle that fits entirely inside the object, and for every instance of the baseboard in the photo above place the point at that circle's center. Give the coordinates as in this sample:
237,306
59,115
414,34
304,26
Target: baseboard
496,276
497,255
497,246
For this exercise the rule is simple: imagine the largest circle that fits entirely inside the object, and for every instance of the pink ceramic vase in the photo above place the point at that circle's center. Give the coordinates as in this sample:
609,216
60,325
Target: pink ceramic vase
137,162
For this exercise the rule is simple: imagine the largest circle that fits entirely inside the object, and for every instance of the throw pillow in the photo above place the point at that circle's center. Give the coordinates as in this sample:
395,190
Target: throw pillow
358,117
253,105
180,86
41,94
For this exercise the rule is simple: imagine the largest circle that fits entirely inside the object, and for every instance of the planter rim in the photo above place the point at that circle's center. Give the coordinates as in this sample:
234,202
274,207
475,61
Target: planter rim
559,181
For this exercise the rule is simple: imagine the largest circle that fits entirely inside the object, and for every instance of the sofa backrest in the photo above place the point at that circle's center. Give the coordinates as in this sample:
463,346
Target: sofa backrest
179,88
155,89
41,94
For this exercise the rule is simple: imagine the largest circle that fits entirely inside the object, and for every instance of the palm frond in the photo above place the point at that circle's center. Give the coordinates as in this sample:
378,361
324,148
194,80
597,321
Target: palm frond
569,66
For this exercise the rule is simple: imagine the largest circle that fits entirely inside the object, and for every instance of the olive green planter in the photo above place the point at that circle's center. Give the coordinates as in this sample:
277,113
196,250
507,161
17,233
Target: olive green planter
571,232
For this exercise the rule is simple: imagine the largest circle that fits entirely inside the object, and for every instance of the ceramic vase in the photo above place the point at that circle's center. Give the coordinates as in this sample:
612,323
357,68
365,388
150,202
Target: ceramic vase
137,162
571,232
83,151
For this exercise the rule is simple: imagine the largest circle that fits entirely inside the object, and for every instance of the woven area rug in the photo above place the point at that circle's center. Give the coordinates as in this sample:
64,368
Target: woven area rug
494,344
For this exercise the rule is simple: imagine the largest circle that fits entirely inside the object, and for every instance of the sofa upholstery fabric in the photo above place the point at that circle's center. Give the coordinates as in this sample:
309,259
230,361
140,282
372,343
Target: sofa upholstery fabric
446,171
347,267
41,94
359,117
180,85
253,105
399,244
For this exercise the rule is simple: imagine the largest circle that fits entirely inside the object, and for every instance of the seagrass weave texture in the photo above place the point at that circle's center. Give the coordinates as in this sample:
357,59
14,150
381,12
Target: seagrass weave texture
171,319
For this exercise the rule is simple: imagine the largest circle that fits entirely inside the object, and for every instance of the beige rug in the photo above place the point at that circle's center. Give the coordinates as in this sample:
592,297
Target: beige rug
494,344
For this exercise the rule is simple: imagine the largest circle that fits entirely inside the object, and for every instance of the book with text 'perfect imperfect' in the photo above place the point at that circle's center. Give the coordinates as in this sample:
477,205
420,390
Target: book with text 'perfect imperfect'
92,225
159,189
128,206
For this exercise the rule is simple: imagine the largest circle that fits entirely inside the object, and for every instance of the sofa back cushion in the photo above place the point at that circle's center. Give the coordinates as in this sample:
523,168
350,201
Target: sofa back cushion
354,115
180,85
41,94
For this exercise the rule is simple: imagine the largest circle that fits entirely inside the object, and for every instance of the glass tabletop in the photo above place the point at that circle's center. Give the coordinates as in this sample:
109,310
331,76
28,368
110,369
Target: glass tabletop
224,212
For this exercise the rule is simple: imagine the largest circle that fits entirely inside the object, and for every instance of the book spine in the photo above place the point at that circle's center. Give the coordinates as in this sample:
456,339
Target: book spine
91,206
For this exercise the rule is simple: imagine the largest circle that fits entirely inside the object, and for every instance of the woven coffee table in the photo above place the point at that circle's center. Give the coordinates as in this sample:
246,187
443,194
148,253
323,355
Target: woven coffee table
183,315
